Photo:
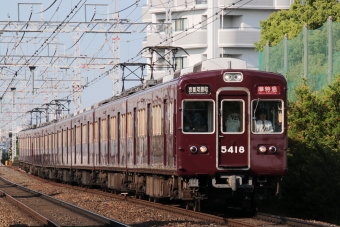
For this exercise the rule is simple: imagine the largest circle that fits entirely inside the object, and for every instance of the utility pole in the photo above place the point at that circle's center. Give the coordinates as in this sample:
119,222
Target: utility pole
115,75
14,125
168,35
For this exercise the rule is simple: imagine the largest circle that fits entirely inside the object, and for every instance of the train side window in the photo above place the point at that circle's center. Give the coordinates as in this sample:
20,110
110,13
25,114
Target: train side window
50,141
113,128
59,139
123,126
96,132
84,133
64,138
45,147
171,115
198,116
129,125
267,116
41,143
141,122
78,135
232,116
156,120
91,133
69,137
103,133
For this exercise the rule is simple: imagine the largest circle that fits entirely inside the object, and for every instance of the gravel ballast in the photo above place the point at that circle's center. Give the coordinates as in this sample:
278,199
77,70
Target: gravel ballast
119,210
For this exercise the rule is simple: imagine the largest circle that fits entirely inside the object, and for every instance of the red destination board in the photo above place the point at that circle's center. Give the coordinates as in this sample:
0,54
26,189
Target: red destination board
268,90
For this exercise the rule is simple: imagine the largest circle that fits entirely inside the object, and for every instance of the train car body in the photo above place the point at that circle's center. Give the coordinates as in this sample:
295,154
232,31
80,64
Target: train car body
196,135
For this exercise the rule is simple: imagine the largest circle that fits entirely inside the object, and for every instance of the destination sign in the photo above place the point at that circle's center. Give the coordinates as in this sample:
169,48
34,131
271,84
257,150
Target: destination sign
268,90
198,90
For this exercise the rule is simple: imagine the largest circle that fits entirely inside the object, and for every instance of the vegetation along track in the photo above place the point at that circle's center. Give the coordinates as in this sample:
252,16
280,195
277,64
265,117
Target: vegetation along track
50,211
259,220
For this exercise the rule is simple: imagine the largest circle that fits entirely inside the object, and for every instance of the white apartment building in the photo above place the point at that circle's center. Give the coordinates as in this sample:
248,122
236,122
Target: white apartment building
208,29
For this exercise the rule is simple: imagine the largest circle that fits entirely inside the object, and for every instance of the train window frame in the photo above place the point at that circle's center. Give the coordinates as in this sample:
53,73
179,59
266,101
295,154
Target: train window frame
141,122
60,140
243,116
91,139
103,130
96,132
68,137
50,141
171,116
64,137
255,102
123,126
113,128
84,134
156,120
129,125
45,142
213,116
78,135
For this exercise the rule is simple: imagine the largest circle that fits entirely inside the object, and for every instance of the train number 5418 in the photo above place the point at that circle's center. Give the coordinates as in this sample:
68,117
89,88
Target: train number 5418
232,149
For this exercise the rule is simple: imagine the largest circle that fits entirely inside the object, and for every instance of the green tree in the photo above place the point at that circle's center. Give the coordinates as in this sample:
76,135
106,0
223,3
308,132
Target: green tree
312,183
314,13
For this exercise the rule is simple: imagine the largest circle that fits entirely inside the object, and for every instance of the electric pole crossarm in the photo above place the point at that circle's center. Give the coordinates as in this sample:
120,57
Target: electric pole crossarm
89,27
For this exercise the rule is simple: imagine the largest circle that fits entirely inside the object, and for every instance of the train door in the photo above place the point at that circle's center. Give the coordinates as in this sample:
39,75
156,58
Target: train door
233,130
134,131
148,131
165,127
118,136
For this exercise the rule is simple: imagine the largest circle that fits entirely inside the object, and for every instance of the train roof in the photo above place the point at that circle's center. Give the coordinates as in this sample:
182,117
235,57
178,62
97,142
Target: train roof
209,64
206,65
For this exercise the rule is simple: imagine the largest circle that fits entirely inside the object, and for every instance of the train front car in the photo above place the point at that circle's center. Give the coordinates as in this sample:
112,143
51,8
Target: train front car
232,135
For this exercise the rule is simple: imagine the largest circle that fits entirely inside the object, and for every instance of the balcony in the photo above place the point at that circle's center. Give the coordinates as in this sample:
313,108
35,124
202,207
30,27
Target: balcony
186,3
152,40
146,14
259,4
185,40
159,5
238,37
188,40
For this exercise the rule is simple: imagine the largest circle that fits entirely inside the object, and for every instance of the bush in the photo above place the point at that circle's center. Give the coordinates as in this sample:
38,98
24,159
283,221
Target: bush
311,186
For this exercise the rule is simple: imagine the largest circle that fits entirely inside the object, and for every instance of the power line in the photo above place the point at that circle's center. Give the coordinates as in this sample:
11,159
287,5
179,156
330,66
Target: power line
39,49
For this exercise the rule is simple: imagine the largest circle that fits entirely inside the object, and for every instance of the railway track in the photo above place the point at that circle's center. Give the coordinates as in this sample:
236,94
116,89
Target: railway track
259,220
50,211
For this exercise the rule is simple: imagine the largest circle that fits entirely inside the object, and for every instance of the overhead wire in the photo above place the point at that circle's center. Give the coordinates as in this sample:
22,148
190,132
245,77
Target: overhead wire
55,32
107,72
136,3
14,47
37,51
47,7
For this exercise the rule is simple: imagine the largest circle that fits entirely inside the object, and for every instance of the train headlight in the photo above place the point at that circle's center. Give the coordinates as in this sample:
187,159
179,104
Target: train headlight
233,77
262,149
193,149
203,149
272,149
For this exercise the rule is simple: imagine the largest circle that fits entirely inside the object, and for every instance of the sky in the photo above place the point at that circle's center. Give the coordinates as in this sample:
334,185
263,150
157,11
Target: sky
90,44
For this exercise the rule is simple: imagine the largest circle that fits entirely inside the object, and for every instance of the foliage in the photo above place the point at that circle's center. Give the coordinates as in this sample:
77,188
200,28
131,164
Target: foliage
312,184
4,157
314,13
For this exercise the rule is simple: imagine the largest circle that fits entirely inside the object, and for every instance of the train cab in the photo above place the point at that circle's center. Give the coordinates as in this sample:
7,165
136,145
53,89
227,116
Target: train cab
232,126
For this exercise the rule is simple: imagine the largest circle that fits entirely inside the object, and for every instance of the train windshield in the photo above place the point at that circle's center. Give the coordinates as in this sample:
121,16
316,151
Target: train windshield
198,116
267,116
232,116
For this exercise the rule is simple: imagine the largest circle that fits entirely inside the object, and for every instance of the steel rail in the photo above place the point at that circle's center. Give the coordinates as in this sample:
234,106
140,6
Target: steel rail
38,217
198,215
72,207
287,221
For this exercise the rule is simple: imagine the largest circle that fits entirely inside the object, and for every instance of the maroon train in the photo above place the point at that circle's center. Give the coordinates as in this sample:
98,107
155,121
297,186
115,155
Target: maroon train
195,135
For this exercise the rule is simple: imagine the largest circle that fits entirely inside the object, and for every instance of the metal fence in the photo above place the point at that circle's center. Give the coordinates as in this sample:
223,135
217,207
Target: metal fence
313,55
